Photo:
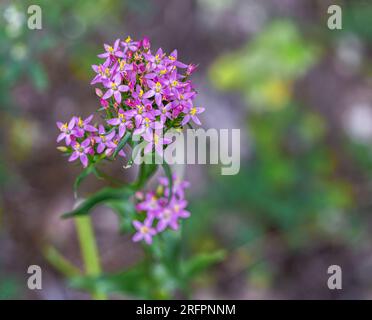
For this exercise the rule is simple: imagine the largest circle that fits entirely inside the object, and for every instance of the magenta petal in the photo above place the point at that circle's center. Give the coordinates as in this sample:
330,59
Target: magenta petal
114,122
108,94
185,120
148,148
147,238
100,148
110,135
158,99
117,96
86,143
61,137
84,159
161,226
137,224
122,128
149,94
123,88
90,128
196,120
137,237
138,120
73,156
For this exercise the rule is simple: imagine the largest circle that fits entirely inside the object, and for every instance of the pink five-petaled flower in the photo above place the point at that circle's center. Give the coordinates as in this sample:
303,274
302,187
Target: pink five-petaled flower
112,51
129,44
115,88
145,231
122,121
192,115
104,140
149,204
164,112
80,151
157,90
178,188
84,125
156,140
67,131
167,218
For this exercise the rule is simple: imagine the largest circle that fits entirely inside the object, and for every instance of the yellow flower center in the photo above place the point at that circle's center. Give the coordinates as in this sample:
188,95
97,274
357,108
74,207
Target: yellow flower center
128,39
140,109
174,83
156,139
147,122
167,214
141,93
158,87
193,111
80,122
172,58
110,49
144,229
103,138
113,86
176,207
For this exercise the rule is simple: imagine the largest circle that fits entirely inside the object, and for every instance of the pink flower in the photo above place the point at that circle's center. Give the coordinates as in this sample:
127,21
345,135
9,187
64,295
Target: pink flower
155,140
104,140
67,131
191,115
145,231
84,125
112,51
81,151
115,88
121,121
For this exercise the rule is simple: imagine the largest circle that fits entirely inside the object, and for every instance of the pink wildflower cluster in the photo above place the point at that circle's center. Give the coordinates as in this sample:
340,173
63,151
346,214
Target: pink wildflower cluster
140,91
161,212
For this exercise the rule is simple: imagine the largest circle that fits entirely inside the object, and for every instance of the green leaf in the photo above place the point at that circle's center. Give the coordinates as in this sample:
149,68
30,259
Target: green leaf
146,171
201,262
168,173
122,143
105,194
86,172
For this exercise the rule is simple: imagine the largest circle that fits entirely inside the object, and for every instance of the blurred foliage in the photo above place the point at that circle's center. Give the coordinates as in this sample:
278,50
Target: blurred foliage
264,70
290,186
356,17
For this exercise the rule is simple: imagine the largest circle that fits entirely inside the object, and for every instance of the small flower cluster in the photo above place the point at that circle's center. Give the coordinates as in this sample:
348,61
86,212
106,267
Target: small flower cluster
84,140
140,93
160,211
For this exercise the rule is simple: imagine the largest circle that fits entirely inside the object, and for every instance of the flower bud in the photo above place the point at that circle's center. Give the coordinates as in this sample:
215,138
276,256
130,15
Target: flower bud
62,149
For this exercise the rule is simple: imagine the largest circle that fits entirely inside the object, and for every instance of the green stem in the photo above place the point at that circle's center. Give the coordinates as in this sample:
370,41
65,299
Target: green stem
59,262
89,250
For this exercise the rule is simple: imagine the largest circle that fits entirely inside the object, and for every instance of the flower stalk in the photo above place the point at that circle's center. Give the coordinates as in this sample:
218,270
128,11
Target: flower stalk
89,250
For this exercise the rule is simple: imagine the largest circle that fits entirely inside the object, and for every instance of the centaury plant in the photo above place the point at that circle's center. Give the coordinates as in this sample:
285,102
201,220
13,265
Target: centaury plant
141,93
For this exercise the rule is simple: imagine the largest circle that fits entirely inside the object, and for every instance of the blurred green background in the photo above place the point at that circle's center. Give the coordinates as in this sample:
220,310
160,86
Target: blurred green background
299,92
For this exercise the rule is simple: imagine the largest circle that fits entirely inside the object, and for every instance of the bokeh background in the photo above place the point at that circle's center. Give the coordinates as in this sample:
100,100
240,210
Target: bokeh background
299,92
